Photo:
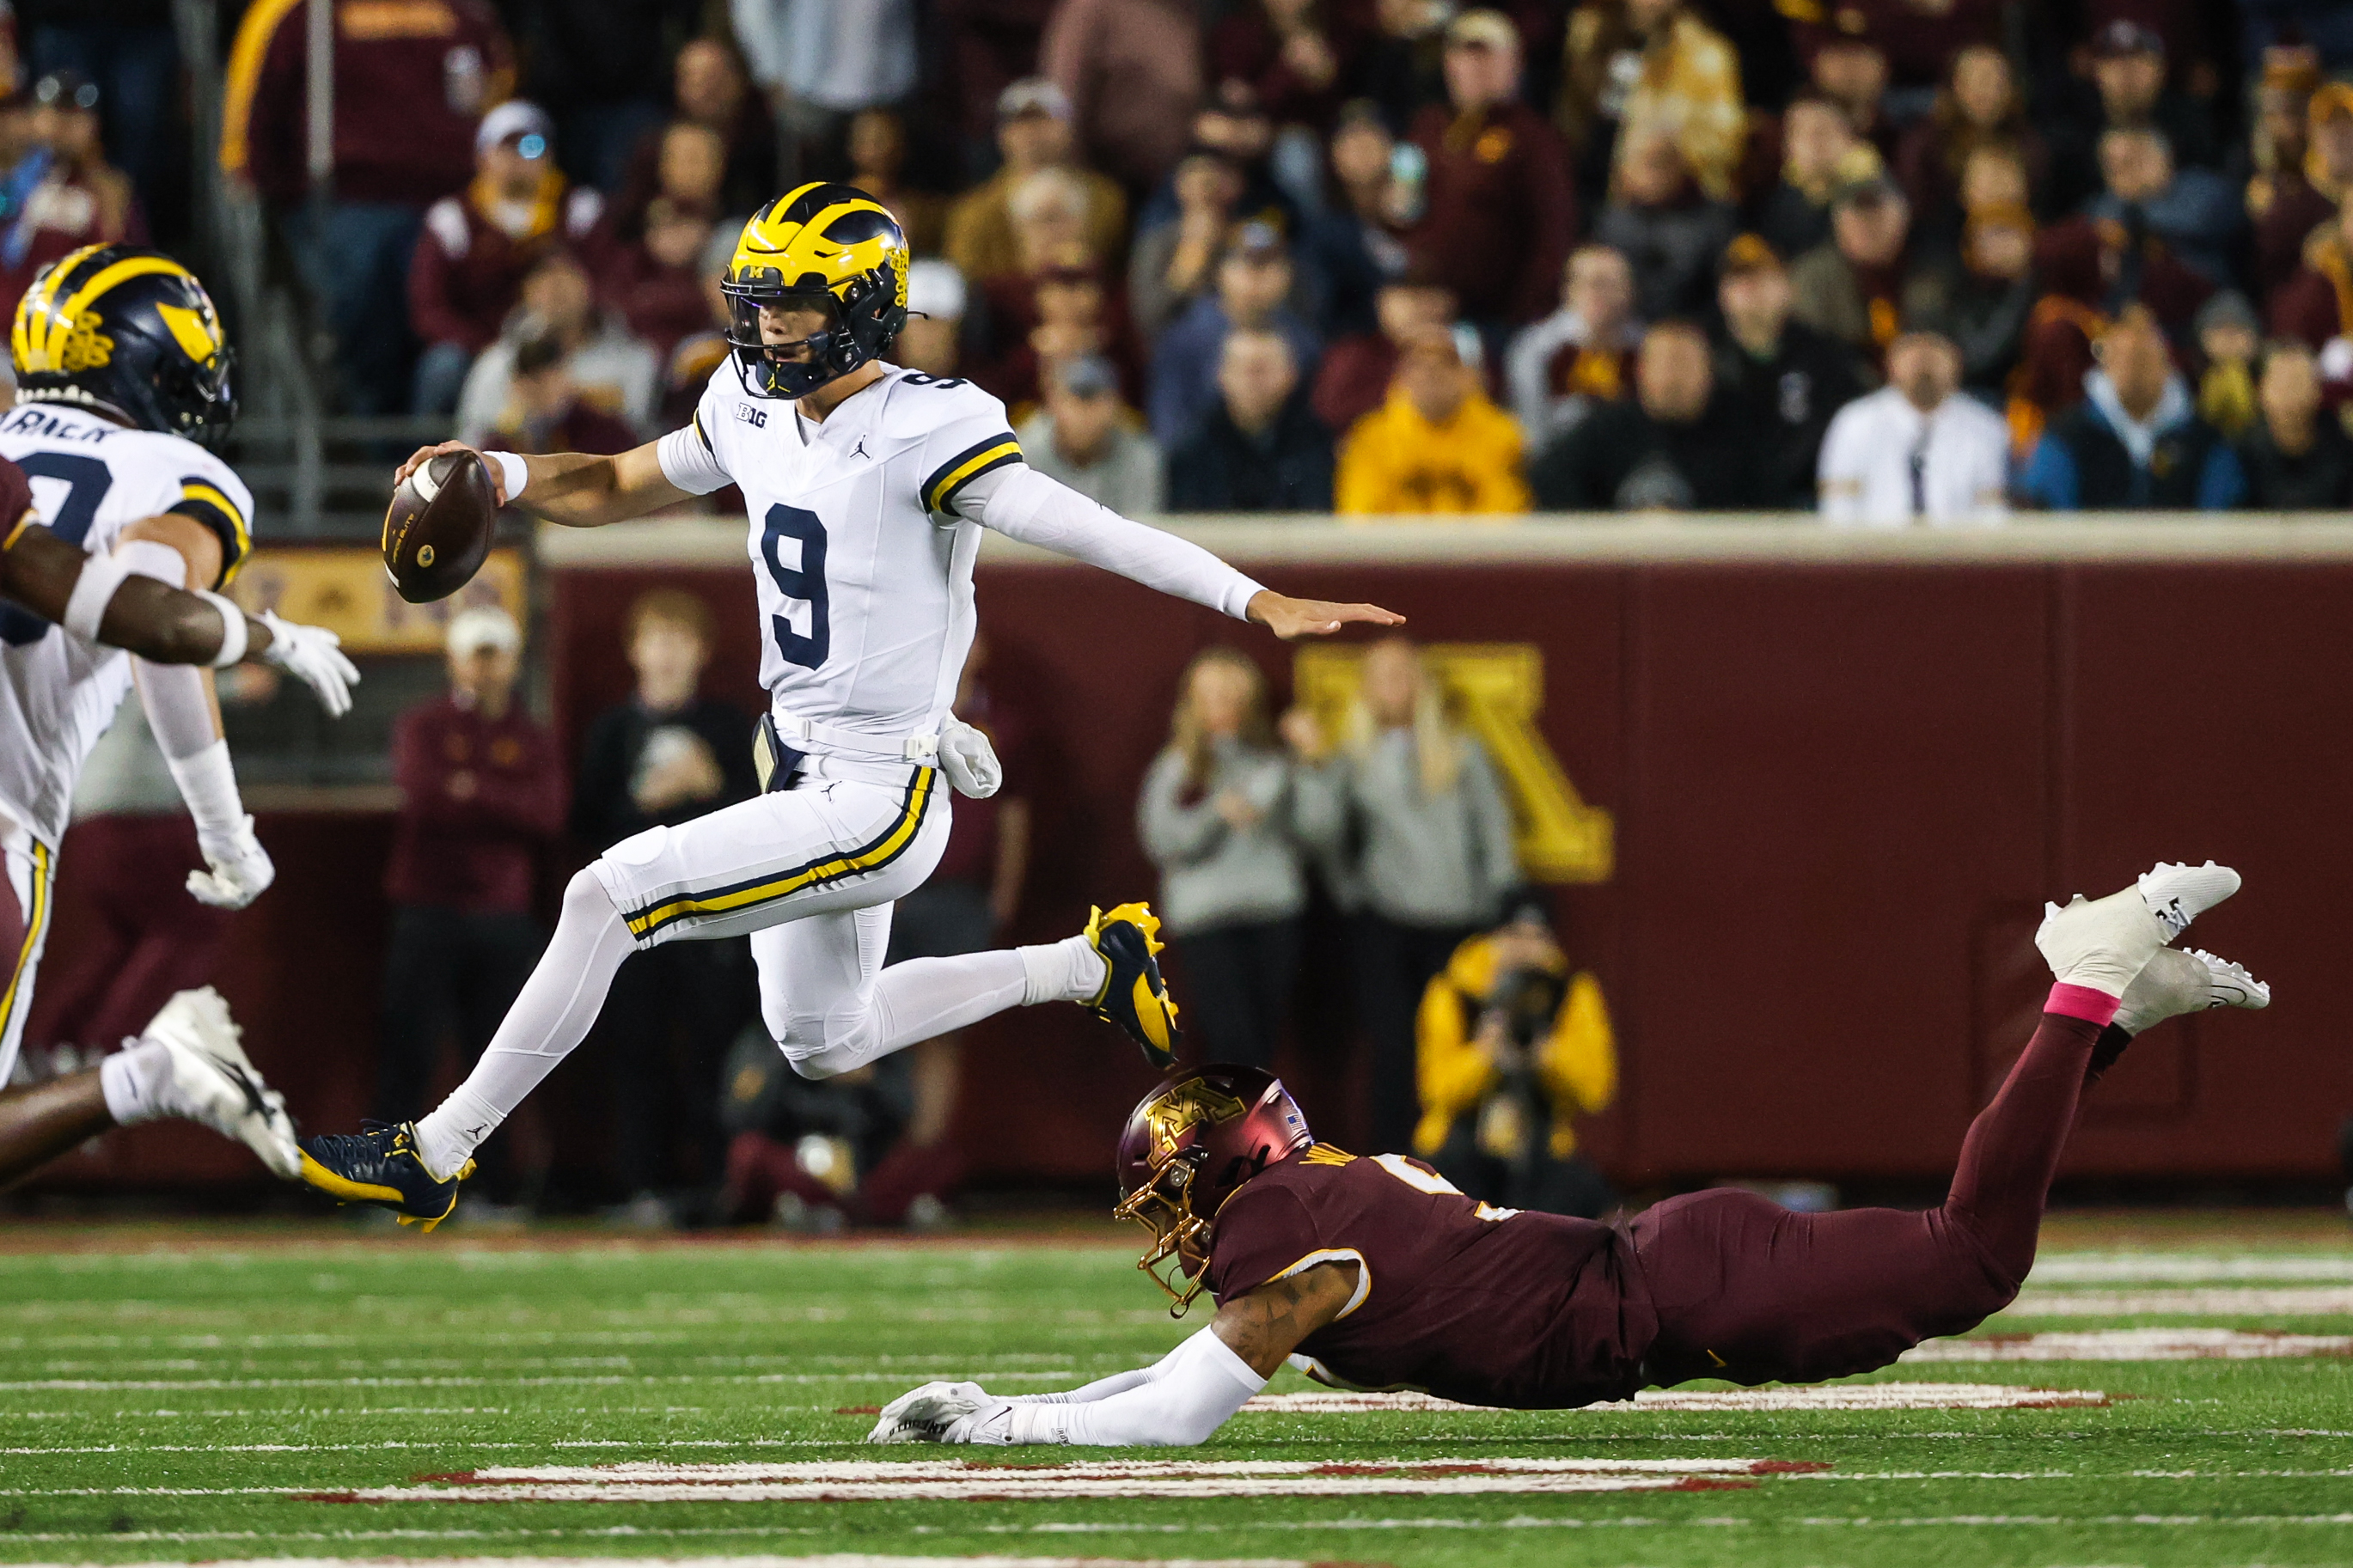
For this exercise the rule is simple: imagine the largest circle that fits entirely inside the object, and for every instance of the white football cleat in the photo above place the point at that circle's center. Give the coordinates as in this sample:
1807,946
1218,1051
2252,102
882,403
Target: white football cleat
2177,982
2104,944
214,1084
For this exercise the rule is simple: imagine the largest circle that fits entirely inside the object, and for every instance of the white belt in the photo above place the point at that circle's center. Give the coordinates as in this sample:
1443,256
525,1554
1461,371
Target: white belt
913,749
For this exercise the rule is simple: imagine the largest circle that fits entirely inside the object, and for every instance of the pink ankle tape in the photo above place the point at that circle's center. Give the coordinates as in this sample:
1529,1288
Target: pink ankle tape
2094,1006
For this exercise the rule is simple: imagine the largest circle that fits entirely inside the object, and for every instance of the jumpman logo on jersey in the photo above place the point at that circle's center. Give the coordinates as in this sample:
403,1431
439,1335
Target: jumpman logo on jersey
860,449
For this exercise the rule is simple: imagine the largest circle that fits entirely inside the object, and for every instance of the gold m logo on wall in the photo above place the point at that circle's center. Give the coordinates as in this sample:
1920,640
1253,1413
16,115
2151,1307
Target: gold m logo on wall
1498,689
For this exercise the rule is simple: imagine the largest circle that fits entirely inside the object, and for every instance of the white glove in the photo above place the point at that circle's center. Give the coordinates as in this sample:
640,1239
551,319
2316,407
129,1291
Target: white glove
313,656
944,1413
969,760
240,869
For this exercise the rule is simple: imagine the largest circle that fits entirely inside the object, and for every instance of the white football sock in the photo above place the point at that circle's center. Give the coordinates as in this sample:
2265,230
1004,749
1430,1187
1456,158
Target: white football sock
1070,970
550,1016
137,1082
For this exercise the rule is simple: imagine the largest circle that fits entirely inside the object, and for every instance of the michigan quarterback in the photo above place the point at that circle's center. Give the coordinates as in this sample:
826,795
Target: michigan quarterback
867,487
119,362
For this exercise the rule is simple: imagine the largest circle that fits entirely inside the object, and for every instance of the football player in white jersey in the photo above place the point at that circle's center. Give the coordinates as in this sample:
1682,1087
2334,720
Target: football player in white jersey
867,487
108,515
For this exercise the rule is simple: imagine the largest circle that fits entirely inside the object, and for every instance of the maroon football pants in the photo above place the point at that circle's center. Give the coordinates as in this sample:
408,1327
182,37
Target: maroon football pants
1747,1291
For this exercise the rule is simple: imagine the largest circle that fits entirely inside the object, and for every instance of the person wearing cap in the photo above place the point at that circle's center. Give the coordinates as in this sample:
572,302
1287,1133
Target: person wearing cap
1581,354
2129,70
2297,456
1255,279
1857,287
1131,71
1033,132
482,798
2230,339
1500,212
1084,434
478,247
2196,212
408,100
2136,442
1677,445
1258,447
1917,451
1785,378
1438,446
63,194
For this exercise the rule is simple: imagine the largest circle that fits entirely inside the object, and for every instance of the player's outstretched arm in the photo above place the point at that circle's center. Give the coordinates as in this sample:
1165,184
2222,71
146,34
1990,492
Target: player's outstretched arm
572,490
1177,1402
1292,619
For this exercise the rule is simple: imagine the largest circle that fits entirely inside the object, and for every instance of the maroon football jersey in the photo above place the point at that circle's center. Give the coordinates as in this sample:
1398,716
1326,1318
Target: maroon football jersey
1481,1305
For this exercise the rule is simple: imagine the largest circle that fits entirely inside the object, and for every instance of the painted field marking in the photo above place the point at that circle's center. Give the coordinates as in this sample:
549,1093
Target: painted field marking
2185,1269
2131,1344
2237,1301
828,1560
1816,1396
101,1384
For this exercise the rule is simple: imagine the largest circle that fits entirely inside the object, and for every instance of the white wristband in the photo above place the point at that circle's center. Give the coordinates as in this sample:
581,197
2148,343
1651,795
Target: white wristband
235,633
208,783
512,468
101,575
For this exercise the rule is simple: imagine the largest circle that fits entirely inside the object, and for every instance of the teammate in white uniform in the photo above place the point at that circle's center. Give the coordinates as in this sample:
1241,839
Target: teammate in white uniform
117,353
866,489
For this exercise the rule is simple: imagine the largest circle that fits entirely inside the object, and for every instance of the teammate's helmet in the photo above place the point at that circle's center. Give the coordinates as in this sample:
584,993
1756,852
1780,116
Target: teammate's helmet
1187,1149
827,248
129,331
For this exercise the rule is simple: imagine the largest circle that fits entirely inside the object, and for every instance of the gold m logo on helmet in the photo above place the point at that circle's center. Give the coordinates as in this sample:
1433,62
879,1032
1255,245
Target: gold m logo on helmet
84,346
196,332
1190,1105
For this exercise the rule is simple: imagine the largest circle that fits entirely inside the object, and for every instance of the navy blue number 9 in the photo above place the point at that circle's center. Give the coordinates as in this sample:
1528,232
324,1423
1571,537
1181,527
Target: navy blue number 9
86,481
807,582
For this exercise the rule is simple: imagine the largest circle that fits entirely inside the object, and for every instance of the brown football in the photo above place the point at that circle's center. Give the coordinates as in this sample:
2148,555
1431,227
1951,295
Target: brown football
437,532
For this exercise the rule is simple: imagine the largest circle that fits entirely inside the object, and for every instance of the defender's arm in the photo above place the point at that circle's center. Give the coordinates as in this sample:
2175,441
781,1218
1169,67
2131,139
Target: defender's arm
574,490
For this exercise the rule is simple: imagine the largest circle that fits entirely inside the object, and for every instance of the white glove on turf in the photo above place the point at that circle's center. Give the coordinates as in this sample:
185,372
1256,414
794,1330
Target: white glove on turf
313,656
969,760
944,1413
240,869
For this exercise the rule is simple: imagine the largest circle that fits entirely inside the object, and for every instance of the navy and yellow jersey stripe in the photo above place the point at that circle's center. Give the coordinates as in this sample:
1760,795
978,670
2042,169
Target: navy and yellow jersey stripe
701,435
939,491
646,920
207,503
20,993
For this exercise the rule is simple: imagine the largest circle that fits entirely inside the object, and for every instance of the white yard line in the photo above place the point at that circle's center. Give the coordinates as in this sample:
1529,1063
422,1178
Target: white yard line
2130,1344
2233,1301
2186,1268
102,1384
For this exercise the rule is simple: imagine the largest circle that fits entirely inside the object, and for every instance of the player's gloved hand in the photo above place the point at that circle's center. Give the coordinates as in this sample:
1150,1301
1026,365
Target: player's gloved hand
313,656
240,869
969,760
944,1413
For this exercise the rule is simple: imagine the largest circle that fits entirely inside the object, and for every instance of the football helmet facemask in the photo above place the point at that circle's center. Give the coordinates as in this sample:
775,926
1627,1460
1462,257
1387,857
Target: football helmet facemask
830,248
1187,1150
128,331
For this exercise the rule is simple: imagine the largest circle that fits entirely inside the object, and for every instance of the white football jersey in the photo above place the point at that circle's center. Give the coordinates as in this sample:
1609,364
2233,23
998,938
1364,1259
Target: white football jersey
863,570
91,478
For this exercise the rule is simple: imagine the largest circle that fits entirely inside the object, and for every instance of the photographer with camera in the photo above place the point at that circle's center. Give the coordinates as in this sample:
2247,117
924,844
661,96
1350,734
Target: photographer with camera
1512,1048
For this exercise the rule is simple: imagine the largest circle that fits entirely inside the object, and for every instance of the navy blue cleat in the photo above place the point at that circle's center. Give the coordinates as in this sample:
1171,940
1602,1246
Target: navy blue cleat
379,1164
1134,995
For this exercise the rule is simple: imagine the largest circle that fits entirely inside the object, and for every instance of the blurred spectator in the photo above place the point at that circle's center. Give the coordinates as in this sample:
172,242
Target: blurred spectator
1860,285
2311,168
1438,446
1404,67
657,283
1581,354
1994,294
1851,70
127,50
470,262
62,194
1229,816
1979,107
1354,376
1500,215
2297,458
1513,1049
1233,124
2317,303
1033,133
821,61
1132,69
1678,445
544,411
1784,379
686,165
2229,340
1066,314
1918,450
1254,278
931,342
1665,227
1174,263
2128,67
407,102
800,1151
1919,39
696,355
878,153
1085,436
2089,272
2194,212
1257,447
1650,64
1431,855
611,370
667,755
2136,442
1355,242
709,89
986,46
482,798
586,63
1794,215
1298,56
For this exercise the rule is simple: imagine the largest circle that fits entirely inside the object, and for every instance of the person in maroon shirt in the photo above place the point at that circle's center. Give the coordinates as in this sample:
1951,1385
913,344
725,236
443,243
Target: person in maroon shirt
1377,1273
482,794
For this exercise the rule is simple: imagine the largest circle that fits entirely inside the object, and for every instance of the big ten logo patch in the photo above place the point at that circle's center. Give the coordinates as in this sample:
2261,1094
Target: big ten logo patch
1497,691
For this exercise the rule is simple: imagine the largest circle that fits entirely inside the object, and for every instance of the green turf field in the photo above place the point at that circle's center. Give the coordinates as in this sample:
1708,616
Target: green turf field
170,1395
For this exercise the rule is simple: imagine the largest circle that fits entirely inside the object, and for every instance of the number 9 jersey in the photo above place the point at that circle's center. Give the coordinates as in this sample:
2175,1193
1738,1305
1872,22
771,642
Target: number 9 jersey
862,564
91,478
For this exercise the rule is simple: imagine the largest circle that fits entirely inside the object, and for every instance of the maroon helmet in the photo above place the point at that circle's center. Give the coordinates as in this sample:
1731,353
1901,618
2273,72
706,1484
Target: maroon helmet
1187,1148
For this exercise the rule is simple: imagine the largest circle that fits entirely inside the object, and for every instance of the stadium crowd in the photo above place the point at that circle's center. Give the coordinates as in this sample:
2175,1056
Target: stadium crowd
1897,258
